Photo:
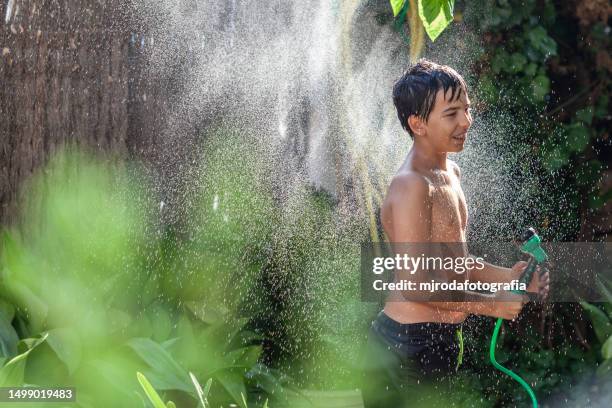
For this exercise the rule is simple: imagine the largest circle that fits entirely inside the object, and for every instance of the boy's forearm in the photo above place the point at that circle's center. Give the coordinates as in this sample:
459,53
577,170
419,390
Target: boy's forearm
492,273
463,301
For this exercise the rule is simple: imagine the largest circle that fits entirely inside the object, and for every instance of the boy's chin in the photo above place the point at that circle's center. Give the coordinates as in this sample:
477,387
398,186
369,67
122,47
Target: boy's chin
455,149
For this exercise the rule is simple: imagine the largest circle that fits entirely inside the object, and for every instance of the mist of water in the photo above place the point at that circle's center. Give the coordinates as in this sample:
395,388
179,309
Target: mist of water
310,84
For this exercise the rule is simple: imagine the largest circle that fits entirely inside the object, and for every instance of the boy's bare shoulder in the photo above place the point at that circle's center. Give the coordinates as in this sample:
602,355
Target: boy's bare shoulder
455,167
410,183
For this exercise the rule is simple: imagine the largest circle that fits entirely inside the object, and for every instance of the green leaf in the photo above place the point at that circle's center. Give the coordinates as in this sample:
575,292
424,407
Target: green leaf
436,15
201,394
207,388
245,356
397,5
7,309
601,323
8,336
541,42
531,69
150,391
233,383
167,373
67,345
556,159
170,404
578,137
540,86
500,61
110,373
11,375
606,349
517,62
34,306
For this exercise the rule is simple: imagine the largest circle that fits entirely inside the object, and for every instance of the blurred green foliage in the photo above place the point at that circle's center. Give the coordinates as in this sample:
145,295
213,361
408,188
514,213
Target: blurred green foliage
254,294
530,52
93,288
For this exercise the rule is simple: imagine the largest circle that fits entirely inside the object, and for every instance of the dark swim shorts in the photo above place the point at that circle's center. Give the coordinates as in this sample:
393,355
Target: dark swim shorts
404,362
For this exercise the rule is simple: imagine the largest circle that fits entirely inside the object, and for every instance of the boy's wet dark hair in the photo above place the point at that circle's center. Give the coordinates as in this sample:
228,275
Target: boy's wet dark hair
415,92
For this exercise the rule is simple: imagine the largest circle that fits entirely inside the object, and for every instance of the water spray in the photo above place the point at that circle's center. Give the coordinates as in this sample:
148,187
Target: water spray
531,246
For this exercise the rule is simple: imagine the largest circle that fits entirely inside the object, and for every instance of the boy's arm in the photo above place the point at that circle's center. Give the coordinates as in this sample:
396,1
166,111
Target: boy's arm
494,273
411,206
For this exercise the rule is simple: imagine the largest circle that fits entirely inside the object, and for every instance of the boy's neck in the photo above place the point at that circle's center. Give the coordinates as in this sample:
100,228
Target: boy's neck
425,157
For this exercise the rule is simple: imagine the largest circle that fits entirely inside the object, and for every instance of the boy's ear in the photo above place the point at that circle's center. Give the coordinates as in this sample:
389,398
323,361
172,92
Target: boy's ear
416,125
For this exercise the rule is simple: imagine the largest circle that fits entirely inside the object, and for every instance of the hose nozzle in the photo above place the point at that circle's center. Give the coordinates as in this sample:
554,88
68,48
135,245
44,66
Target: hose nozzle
531,246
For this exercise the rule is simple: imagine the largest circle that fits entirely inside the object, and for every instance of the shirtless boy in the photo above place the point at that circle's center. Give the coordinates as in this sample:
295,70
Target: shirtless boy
412,341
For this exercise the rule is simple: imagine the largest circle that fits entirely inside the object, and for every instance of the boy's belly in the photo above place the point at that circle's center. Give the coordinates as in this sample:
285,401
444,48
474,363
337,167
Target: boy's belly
416,312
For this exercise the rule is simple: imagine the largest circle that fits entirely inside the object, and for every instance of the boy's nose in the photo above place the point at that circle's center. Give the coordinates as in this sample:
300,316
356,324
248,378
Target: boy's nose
466,121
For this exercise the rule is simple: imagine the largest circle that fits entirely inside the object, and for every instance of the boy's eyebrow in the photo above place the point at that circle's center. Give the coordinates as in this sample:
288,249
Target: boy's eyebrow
455,107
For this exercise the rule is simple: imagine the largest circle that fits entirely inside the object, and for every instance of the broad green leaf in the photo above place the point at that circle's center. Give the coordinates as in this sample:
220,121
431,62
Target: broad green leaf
233,383
7,309
578,137
67,345
517,62
8,337
11,375
34,306
436,15
606,349
111,374
265,378
601,323
539,40
245,356
169,343
556,158
166,373
540,86
150,391
397,5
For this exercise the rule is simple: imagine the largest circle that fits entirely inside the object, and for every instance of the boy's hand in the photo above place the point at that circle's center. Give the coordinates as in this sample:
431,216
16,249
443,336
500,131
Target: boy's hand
510,304
540,284
518,268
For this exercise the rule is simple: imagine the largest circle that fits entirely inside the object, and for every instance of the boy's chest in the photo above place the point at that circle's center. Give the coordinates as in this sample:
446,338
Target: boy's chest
449,211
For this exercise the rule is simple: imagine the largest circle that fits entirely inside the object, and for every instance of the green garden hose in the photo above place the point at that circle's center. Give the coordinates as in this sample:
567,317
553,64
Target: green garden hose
532,247
504,369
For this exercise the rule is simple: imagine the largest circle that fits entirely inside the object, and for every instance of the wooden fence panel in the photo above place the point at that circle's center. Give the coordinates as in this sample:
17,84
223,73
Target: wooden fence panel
64,77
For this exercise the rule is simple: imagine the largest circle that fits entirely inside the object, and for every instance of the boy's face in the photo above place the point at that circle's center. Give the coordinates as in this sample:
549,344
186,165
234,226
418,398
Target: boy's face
448,123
